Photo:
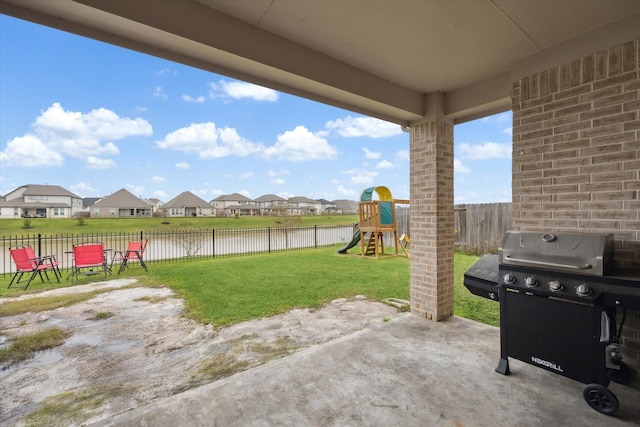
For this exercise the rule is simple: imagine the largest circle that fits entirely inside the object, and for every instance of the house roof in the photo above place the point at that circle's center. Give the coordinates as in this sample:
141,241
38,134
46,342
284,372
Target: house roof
122,199
300,199
89,201
186,200
346,205
268,198
235,197
47,190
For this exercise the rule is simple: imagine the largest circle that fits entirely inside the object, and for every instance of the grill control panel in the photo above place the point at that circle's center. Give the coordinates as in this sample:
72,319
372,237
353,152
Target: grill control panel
548,283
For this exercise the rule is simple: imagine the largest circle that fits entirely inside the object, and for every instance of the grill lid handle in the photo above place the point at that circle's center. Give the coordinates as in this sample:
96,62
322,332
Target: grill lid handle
548,264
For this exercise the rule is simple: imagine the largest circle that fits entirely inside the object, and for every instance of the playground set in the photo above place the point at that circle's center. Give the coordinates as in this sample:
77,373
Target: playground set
376,218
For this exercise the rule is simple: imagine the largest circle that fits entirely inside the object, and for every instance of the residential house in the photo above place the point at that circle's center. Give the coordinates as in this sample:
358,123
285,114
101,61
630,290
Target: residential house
156,204
40,201
270,204
187,204
301,205
120,204
234,204
345,207
326,206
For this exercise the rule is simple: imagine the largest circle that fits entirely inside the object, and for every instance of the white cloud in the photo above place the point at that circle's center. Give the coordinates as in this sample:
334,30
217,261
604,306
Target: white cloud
346,191
208,141
361,176
182,165
351,127
84,189
246,175
29,151
370,154
285,195
459,167
164,71
239,90
159,194
245,193
277,181
385,164
403,155
136,190
93,162
197,100
57,133
158,179
508,131
299,145
486,150
158,93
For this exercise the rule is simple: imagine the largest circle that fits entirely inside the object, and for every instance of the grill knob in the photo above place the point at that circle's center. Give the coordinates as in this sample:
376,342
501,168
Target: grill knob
583,290
530,282
555,286
509,278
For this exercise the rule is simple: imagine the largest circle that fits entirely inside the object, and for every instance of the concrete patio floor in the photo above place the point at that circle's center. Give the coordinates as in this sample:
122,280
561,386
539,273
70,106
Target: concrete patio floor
405,372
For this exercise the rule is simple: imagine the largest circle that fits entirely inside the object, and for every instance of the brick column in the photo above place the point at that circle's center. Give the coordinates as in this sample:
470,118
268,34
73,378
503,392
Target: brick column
431,219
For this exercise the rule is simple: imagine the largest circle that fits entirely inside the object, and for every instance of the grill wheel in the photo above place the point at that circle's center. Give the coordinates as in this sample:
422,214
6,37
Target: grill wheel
601,399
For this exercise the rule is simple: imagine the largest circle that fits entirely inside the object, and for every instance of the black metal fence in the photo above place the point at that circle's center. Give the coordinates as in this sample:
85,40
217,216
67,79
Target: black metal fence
182,245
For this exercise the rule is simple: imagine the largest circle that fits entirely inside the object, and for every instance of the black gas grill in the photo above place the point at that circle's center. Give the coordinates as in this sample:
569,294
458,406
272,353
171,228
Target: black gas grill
558,297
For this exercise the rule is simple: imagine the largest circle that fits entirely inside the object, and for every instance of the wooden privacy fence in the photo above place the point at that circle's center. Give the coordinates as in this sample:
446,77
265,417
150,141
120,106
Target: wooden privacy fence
480,227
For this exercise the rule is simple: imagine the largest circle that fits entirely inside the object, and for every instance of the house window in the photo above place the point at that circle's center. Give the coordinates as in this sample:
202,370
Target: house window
113,211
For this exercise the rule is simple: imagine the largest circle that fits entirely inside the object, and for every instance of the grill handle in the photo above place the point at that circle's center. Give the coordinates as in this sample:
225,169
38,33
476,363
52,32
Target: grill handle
548,264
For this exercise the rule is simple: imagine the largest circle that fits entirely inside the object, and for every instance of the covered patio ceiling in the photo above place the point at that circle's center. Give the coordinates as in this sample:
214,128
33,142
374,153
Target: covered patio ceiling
378,58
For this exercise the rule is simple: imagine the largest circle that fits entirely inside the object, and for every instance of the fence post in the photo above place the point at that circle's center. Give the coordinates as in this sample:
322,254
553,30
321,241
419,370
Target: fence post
268,239
213,242
315,236
39,244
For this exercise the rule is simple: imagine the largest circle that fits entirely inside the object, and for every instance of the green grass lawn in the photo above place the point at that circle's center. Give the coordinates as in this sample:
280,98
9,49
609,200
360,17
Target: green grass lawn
229,290
131,225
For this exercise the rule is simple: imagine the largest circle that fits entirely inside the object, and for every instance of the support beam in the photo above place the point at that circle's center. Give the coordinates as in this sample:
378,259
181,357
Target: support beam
431,219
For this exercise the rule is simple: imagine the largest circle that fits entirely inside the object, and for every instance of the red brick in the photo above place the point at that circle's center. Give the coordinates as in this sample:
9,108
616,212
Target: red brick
600,150
616,99
601,186
614,195
614,80
600,65
629,58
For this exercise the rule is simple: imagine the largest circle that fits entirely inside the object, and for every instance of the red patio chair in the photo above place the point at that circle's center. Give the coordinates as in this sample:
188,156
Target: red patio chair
91,257
49,260
134,252
26,262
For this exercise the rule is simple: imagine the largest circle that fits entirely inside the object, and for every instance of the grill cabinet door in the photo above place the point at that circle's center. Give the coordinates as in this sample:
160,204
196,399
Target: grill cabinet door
556,335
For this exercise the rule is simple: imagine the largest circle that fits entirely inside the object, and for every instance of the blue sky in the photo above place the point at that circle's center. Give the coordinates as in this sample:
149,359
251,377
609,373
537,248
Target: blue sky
95,118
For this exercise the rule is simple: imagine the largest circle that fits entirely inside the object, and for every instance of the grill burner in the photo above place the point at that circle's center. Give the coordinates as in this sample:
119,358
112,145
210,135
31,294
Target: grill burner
558,297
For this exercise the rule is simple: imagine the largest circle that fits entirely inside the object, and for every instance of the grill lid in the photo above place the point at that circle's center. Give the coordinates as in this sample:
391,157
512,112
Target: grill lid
579,253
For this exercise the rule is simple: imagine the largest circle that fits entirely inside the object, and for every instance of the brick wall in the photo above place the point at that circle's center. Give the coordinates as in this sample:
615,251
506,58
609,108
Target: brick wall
576,154
431,219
